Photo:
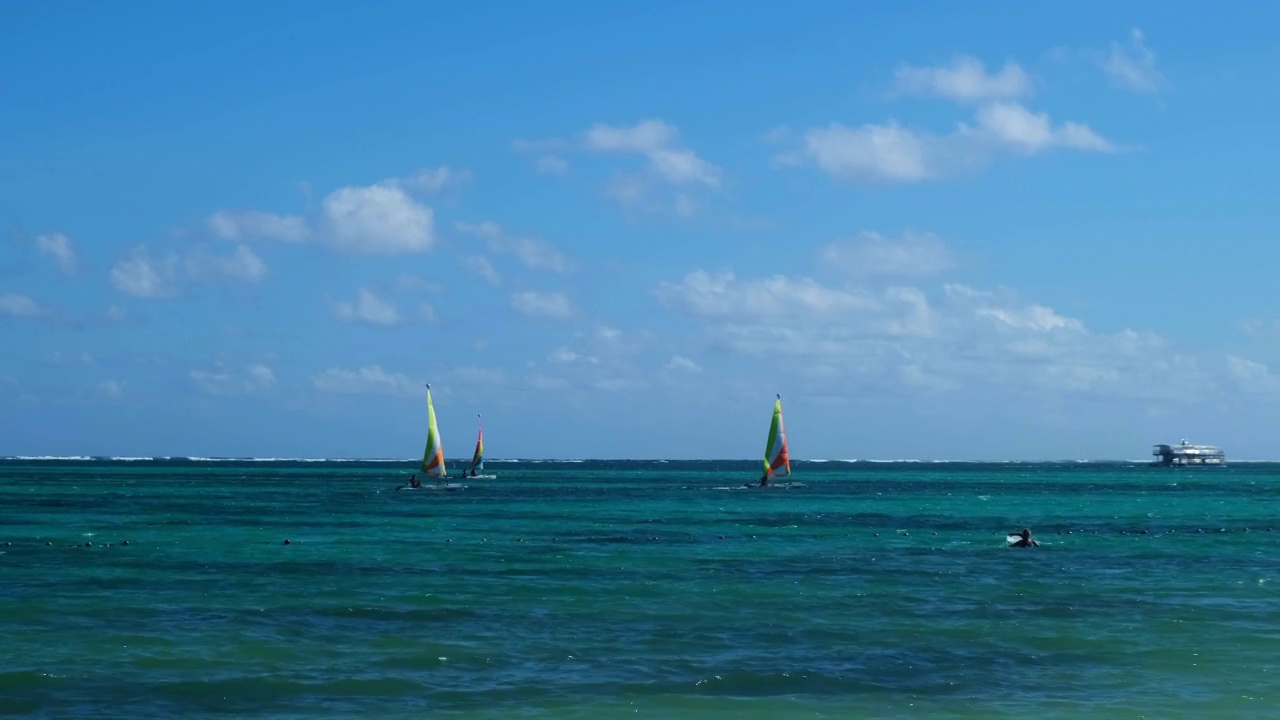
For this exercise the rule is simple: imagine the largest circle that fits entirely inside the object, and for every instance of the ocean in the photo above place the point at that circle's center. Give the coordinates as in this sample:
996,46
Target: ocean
603,589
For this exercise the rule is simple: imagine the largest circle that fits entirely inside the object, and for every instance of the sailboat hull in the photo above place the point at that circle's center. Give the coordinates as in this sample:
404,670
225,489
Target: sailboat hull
445,486
758,486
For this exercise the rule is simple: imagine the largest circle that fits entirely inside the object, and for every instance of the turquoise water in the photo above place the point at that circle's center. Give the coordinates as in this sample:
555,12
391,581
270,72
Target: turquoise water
636,589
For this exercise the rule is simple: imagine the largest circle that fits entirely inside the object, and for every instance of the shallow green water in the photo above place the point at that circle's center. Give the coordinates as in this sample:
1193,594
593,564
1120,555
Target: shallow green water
611,589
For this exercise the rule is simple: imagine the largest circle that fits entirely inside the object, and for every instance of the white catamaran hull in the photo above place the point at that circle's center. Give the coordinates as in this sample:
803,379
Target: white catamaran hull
446,486
758,486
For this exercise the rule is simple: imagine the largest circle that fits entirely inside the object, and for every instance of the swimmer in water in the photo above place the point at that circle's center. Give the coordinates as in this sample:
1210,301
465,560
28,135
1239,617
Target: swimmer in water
1026,540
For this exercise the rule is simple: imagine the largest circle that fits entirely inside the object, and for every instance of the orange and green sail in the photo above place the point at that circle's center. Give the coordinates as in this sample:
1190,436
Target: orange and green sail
777,463
477,460
433,456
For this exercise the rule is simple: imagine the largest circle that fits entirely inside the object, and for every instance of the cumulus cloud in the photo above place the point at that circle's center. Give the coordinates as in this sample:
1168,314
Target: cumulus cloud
370,380
379,219
891,152
243,265
549,152
481,266
894,153
437,180
239,225
252,379
860,339
58,247
19,306
964,79
534,252
553,165
673,174
680,362
546,305
1133,66
142,276
367,308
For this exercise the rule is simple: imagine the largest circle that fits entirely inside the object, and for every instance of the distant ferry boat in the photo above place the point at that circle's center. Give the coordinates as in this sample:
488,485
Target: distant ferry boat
1185,453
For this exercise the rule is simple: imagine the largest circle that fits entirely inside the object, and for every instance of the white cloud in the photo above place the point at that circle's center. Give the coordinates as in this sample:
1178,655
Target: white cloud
893,153
914,255
553,165
370,380
14,305
434,181
367,308
116,313
658,142
549,305
253,379
243,265
1012,125
538,381
1134,67
427,313
141,276
965,79
872,153
703,295
378,219
58,246
1252,377
238,225
674,174
482,267
111,388
847,340
408,282
565,356
550,161
680,362
533,252
1261,327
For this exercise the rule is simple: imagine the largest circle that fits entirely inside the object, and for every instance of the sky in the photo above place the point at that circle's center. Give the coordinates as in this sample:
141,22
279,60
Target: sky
1024,231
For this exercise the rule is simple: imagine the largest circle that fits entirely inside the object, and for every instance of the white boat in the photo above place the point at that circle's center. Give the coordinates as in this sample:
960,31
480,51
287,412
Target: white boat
477,459
1185,453
433,456
777,461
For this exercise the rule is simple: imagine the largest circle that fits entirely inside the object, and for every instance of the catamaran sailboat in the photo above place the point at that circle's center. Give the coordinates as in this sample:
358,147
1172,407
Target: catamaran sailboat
777,462
477,460
433,456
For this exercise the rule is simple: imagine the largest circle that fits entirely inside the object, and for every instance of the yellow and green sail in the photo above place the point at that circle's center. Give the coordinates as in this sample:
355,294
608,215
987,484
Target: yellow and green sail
477,460
433,456
777,463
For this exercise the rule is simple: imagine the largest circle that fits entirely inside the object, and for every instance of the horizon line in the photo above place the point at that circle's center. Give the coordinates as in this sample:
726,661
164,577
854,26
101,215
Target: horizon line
464,460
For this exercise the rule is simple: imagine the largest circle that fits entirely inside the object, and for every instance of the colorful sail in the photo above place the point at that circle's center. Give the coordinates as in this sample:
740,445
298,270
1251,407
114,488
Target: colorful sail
777,463
477,460
433,456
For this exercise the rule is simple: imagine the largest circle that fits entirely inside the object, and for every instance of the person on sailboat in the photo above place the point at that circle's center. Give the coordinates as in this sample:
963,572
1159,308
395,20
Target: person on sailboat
764,479
413,481
1026,540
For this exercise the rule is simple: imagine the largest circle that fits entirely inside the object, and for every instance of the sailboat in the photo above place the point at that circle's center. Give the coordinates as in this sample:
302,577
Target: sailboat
477,460
777,462
433,455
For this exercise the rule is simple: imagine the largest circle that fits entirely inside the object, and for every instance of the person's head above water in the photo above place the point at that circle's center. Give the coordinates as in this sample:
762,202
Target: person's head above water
1025,533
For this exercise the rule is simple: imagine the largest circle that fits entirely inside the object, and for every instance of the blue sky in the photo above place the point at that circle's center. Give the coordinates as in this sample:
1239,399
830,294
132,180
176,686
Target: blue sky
1009,231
